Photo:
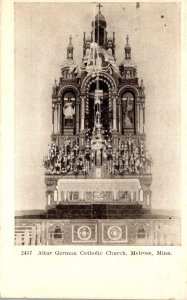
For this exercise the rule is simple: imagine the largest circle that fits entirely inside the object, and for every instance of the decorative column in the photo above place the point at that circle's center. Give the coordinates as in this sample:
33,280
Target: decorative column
120,115
82,113
65,196
48,198
59,196
115,196
77,114
140,112
51,185
56,196
82,195
132,196
138,118
148,197
115,134
114,113
143,107
137,115
135,196
59,116
141,118
110,111
51,197
140,195
53,117
145,186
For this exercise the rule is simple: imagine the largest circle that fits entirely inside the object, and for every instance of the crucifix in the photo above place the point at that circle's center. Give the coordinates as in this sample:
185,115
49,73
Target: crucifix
99,6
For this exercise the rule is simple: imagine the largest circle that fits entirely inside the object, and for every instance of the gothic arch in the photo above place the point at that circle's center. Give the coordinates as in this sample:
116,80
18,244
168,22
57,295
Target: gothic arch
88,80
68,88
129,88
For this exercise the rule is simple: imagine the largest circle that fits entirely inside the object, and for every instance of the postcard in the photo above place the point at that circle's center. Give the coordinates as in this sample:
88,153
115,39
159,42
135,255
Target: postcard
93,150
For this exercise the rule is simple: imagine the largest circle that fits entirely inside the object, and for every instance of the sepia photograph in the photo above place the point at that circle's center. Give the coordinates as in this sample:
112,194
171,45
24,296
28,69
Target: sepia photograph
93,150
97,123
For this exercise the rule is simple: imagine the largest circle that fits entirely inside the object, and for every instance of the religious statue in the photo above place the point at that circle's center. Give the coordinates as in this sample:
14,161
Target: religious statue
68,110
128,116
128,74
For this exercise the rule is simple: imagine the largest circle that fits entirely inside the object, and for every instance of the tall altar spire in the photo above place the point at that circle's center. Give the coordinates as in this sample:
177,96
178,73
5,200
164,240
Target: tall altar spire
127,49
70,49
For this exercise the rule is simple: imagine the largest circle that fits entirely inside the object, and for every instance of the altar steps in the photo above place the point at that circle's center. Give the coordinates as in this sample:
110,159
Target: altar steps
96,211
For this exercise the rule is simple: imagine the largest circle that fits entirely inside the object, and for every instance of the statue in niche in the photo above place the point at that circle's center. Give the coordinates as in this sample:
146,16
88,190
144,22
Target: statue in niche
128,115
69,112
128,74
128,54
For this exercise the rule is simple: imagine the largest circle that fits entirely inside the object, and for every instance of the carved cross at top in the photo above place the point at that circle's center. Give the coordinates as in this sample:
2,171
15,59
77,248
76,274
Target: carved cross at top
99,6
70,39
127,38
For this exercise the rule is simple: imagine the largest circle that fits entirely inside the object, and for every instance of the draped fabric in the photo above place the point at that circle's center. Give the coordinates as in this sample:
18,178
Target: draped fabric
98,185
